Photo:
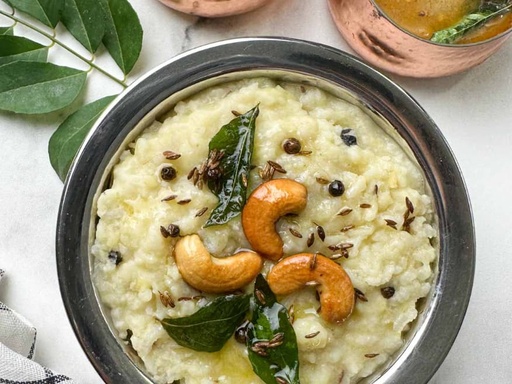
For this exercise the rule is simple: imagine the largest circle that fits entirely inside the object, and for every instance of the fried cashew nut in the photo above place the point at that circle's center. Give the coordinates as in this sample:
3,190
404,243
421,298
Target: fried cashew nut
264,207
214,274
334,285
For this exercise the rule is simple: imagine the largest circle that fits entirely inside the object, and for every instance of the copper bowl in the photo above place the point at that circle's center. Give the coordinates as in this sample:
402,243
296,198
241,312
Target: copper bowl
386,45
214,8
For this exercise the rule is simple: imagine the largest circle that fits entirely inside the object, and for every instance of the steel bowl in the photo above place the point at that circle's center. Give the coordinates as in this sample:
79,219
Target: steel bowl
397,113
383,43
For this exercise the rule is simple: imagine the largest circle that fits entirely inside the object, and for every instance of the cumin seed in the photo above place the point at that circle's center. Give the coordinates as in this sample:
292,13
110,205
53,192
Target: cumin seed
347,228
201,211
365,205
236,113
277,167
311,239
344,212
376,189
171,155
321,233
169,198
409,205
311,335
371,355
321,180
191,173
184,201
360,295
166,299
295,233
391,223
305,153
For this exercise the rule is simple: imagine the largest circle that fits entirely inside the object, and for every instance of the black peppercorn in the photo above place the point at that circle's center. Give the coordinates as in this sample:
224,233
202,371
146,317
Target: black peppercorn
115,257
292,146
174,230
168,173
336,188
348,137
387,292
241,332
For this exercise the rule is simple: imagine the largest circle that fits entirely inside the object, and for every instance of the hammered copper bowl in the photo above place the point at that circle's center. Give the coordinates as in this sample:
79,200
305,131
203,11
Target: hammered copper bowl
386,45
214,8
440,314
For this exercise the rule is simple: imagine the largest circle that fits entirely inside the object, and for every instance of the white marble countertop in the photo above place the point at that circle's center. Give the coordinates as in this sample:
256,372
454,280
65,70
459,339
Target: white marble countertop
473,110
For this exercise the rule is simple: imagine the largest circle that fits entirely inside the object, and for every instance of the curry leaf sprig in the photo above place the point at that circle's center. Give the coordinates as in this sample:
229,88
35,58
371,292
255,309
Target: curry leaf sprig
471,21
30,84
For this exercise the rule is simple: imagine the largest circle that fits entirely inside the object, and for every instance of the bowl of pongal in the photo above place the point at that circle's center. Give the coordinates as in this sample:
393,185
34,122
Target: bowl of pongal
422,38
265,210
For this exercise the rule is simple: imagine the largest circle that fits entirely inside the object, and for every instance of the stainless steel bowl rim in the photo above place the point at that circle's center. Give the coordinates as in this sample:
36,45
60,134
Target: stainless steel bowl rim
449,299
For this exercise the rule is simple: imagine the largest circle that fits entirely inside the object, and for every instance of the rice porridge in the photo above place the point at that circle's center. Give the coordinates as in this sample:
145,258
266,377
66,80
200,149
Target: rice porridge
365,208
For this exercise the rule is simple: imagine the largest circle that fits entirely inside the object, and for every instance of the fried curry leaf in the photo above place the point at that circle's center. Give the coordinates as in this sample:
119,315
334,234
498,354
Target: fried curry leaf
271,340
210,327
469,22
236,141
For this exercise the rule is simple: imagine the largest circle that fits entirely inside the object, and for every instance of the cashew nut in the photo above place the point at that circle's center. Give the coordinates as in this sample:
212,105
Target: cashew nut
264,207
334,285
212,274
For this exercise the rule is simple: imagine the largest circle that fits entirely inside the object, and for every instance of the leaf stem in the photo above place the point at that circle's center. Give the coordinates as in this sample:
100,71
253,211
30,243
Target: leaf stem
70,50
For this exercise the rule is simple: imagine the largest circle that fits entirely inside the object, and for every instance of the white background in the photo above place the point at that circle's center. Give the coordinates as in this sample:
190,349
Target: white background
473,110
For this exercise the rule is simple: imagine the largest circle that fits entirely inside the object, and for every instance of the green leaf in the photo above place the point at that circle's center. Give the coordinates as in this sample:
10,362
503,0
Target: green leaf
67,139
270,324
32,87
16,48
46,11
236,141
123,33
211,326
469,22
85,20
7,30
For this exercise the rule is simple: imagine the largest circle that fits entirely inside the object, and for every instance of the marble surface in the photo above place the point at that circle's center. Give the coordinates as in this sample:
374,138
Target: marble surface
472,109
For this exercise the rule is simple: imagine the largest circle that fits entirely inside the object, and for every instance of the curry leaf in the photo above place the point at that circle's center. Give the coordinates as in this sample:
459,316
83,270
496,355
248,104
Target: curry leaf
211,326
7,30
66,140
469,22
123,33
85,20
32,87
46,11
236,141
271,340
16,48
